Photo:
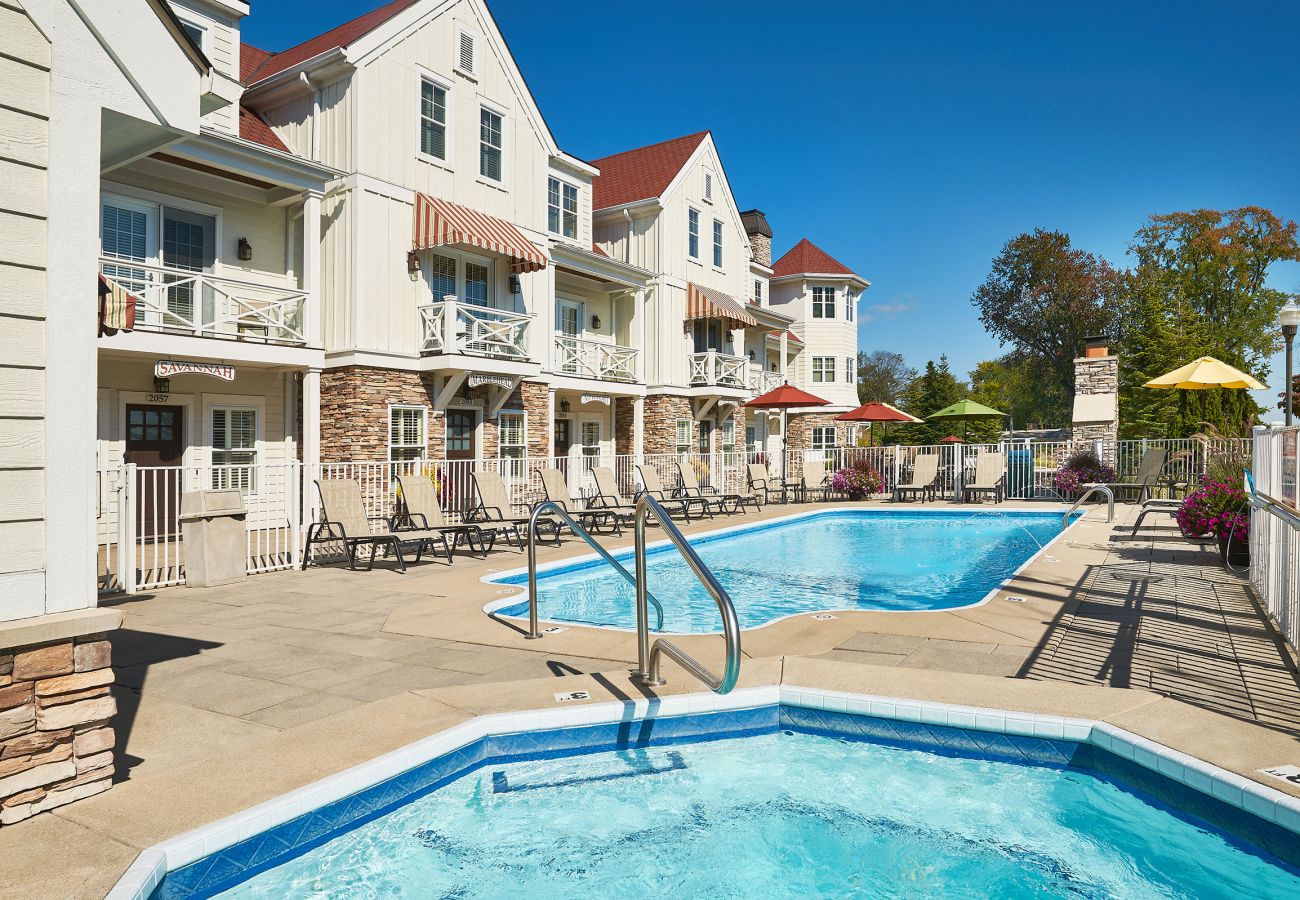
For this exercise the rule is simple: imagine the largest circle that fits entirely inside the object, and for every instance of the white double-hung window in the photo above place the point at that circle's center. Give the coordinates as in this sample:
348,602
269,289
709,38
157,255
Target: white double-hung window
433,119
234,448
512,441
850,305
717,243
850,370
693,233
823,302
823,437
561,208
407,430
823,369
491,141
683,435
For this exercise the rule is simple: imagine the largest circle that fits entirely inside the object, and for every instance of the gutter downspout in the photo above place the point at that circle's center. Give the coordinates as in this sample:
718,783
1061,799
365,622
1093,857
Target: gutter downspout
315,114
627,245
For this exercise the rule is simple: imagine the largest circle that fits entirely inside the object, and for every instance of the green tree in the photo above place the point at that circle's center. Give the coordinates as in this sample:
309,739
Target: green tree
1198,289
927,393
1021,387
1043,297
882,376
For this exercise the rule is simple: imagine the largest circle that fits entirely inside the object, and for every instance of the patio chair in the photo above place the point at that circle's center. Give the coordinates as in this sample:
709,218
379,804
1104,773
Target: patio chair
792,483
921,484
344,521
650,484
556,488
817,478
759,480
494,510
688,486
990,477
1144,479
608,497
423,512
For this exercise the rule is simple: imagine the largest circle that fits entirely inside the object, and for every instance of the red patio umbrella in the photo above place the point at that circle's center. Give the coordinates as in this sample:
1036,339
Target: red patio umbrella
951,439
783,398
876,412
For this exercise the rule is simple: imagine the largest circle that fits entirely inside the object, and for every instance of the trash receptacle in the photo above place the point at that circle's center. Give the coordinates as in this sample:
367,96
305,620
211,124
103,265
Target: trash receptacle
216,543
1020,473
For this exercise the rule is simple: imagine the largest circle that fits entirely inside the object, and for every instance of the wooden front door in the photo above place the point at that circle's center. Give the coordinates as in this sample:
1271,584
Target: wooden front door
155,443
462,452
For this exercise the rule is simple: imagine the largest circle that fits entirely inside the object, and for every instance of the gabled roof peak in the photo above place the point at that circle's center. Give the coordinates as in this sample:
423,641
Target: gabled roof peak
643,173
339,36
806,258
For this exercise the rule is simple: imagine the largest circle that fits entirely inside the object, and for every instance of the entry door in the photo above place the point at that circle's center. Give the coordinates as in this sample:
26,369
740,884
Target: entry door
155,443
188,244
568,322
462,451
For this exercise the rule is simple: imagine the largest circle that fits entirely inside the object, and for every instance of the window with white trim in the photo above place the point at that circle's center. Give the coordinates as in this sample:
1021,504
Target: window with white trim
234,448
442,275
561,208
758,290
823,369
850,305
717,243
823,437
195,32
466,50
512,441
708,186
590,435
433,119
476,284
407,433
728,435
683,435
850,370
491,139
751,439
693,233
823,302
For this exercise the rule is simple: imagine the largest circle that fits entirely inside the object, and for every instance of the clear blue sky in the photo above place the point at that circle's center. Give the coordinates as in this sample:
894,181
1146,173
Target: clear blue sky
911,140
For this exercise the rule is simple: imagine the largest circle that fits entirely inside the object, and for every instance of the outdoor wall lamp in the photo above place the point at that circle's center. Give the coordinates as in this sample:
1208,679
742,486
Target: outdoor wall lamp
564,406
245,249
413,265
1289,316
595,323
514,284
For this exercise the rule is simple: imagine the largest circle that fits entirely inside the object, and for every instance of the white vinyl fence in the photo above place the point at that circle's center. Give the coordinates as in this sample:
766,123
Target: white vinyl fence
141,545
1274,542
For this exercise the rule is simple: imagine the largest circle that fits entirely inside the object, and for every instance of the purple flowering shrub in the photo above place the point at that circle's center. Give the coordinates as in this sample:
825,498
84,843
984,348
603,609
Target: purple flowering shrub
1081,467
1215,509
859,479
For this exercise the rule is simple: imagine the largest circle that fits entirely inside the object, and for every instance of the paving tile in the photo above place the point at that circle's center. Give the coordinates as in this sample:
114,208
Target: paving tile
302,709
862,657
872,642
397,680
224,692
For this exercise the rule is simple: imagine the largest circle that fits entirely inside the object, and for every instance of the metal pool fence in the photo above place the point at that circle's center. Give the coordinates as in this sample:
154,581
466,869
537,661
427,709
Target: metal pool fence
1274,542
141,546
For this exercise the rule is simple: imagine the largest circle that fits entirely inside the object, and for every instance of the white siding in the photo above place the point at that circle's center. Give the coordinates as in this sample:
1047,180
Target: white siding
222,49
23,210
292,122
836,337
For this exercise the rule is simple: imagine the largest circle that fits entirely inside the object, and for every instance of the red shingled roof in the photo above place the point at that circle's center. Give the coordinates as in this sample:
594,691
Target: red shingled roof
806,257
253,127
341,36
642,173
250,60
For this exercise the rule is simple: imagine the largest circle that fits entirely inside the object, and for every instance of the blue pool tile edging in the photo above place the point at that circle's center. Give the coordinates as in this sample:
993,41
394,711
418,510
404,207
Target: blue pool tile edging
217,856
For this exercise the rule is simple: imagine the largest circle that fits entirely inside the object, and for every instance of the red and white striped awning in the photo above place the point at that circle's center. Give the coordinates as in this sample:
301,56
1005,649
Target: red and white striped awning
440,222
706,303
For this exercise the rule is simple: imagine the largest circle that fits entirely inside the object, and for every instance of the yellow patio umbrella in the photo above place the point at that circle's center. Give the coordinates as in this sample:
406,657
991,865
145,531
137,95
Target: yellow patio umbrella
1206,372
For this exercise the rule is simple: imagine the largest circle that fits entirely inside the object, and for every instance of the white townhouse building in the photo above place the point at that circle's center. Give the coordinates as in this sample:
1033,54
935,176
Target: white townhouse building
668,208
466,313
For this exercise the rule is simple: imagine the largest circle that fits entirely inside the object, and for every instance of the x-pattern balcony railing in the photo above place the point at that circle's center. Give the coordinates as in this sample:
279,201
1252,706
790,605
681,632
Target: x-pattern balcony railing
761,382
592,359
720,369
450,326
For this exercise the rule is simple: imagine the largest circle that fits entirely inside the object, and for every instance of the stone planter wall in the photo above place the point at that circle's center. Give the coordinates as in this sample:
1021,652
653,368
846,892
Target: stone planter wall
56,744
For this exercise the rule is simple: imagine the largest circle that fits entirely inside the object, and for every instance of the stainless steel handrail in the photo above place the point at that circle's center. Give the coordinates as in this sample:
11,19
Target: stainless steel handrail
558,508
648,657
1275,508
1093,489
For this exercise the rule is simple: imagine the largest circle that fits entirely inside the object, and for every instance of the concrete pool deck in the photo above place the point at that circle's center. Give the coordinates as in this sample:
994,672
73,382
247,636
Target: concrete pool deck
230,696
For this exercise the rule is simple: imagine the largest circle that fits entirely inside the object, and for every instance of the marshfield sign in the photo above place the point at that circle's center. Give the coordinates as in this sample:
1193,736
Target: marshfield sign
168,368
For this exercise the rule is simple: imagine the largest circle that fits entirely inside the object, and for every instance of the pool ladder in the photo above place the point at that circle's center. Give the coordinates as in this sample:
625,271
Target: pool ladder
1093,489
649,656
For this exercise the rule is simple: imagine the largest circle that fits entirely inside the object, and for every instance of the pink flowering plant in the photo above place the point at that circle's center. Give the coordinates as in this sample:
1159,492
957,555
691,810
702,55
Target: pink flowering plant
1215,509
1081,467
858,480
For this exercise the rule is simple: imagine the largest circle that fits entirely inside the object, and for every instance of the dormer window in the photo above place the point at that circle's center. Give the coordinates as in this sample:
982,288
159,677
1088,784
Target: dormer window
561,208
196,33
758,290
466,51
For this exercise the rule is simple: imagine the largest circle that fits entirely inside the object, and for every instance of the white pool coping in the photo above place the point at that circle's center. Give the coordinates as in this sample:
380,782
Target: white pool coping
494,578
147,871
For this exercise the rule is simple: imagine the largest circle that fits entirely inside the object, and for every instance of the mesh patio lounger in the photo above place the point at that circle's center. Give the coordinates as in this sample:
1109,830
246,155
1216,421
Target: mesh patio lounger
344,521
990,477
1144,479
817,478
494,510
608,497
688,487
424,512
760,481
925,472
650,484
556,488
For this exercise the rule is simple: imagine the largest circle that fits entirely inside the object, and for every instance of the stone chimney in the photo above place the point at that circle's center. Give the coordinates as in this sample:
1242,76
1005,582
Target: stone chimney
1096,392
760,235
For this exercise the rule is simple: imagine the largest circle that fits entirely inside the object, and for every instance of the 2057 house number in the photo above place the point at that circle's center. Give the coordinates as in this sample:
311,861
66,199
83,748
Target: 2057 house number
157,398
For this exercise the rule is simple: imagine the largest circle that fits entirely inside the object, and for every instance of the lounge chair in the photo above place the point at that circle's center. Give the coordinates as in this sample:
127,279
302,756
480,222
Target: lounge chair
1144,479
423,512
817,478
760,481
990,477
344,521
792,483
925,473
650,484
688,487
608,497
494,510
556,488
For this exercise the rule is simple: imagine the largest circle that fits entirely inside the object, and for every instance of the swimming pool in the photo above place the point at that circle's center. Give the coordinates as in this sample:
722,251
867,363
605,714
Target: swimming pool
893,560
797,798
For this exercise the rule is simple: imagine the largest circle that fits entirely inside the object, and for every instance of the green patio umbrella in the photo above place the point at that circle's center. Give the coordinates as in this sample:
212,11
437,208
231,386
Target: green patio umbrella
966,410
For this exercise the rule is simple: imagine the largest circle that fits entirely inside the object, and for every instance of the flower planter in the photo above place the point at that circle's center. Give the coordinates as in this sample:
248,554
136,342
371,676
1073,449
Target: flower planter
1234,556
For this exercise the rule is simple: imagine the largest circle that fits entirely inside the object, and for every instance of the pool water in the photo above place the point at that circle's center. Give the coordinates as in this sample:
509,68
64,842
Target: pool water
782,814
850,559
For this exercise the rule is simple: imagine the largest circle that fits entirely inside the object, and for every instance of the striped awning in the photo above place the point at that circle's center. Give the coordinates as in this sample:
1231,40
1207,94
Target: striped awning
440,222
706,303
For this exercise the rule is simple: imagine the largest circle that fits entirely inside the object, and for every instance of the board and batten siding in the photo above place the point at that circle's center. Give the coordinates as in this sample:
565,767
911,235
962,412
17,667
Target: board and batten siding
221,47
24,154
336,137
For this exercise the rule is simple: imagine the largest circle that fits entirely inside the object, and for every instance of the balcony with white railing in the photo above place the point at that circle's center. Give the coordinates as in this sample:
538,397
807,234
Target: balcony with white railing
760,382
177,301
714,369
592,359
448,326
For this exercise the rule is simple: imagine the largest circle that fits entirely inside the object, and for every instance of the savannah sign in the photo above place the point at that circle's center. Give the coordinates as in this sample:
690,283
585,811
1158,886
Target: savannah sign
166,368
